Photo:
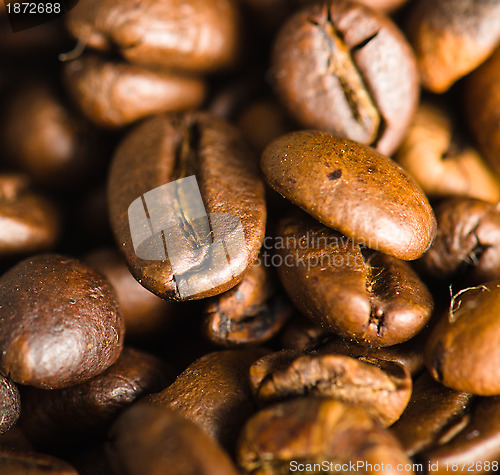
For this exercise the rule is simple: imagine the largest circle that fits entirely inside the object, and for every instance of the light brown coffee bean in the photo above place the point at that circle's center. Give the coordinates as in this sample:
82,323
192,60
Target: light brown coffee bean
352,188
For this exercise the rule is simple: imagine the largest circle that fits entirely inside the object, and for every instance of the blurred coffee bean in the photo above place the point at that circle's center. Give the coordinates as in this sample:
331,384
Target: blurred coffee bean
352,188
115,94
252,312
59,322
312,430
143,312
467,246
214,392
150,440
460,352
301,333
168,148
382,388
434,413
19,462
344,68
192,35
93,217
452,37
15,439
441,165
30,223
482,107
45,139
9,404
89,408
372,298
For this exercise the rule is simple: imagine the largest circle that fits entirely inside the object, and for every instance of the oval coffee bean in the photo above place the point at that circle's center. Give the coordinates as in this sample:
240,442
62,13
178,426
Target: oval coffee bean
59,322
154,440
102,90
167,149
367,296
381,388
18,462
342,67
10,404
191,35
352,188
315,430
461,349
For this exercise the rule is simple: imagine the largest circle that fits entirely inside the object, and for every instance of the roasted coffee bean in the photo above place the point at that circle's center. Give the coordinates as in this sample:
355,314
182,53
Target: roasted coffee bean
452,37
314,430
461,349
214,392
143,312
482,107
168,148
380,387
193,35
157,440
433,414
9,404
19,462
59,322
90,407
372,298
30,223
467,246
342,67
114,94
441,164
15,439
352,188
45,139
301,333
252,312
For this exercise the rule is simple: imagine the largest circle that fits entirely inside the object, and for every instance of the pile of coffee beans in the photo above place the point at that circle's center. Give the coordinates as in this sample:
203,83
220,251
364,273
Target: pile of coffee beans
251,237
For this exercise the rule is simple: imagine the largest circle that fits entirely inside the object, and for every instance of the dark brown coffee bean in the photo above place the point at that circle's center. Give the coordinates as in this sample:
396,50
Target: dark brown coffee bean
433,413
301,333
60,323
90,407
452,37
19,462
252,312
460,352
165,149
467,246
193,35
482,104
10,404
352,188
381,388
315,430
342,67
372,298
115,94
15,439
29,222
441,165
158,440
214,392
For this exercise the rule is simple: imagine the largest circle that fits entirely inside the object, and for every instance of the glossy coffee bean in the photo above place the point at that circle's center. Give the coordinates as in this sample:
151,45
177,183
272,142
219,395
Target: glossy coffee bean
382,388
18,462
165,149
467,246
461,349
352,188
30,223
194,35
452,37
372,298
10,404
252,312
60,322
114,94
441,165
315,430
155,440
89,408
342,67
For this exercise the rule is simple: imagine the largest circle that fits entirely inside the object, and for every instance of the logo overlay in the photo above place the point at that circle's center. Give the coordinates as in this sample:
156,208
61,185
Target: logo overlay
171,222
